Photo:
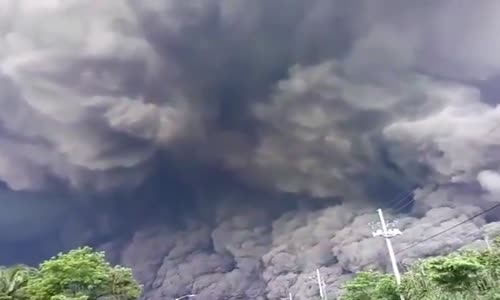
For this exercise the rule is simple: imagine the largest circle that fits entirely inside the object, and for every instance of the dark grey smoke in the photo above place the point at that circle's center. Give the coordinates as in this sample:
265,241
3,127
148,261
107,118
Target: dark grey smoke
229,148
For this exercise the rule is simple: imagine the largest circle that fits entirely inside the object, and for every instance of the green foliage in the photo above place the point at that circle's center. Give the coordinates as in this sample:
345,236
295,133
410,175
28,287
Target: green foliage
79,271
459,276
122,284
496,243
64,297
415,283
371,286
455,273
13,280
81,274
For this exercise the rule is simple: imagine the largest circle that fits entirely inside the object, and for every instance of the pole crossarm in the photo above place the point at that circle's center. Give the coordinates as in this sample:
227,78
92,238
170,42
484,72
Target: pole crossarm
388,233
186,297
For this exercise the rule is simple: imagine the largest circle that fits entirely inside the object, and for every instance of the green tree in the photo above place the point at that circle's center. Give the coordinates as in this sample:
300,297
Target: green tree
122,285
371,286
64,297
465,275
455,273
13,280
81,274
415,284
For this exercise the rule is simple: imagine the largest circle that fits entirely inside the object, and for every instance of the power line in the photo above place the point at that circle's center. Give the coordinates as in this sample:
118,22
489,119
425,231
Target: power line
405,205
444,231
401,198
434,188
493,129
436,185
387,234
472,234
450,228
395,204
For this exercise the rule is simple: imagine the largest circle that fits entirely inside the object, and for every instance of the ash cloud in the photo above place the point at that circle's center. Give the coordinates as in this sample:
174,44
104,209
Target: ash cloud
282,125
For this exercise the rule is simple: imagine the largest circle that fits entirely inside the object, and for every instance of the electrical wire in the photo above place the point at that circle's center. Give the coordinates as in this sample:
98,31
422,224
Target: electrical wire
450,228
434,188
395,206
472,234
401,198
495,127
443,231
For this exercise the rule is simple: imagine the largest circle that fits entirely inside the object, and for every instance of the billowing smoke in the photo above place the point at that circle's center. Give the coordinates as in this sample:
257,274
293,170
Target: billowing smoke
229,148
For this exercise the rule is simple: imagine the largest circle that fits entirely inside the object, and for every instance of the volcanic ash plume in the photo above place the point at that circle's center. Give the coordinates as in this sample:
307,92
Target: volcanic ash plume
229,148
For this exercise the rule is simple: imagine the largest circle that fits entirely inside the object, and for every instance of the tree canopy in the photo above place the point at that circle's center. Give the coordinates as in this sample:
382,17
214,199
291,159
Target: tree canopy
13,280
80,274
472,274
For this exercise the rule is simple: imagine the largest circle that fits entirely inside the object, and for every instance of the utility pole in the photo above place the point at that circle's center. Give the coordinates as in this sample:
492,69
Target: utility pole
388,234
289,297
487,241
324,289
321,285
422,269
